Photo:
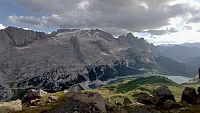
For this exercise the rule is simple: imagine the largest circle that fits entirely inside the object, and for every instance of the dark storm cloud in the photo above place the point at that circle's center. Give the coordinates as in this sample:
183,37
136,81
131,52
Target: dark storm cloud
125,15
162,32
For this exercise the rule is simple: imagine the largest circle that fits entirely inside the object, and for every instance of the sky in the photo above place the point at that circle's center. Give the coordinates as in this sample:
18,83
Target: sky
158,21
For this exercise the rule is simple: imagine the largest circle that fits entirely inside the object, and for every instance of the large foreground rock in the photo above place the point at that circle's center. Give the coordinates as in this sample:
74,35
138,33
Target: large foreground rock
93,99
12,106
189,95
168,104
145,98
162,94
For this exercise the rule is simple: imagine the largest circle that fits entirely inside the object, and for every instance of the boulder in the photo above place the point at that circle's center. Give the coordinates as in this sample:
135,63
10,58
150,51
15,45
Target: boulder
198,90
127,101
145,98
33,94
189,95
168,105
93,99
12,106
162,94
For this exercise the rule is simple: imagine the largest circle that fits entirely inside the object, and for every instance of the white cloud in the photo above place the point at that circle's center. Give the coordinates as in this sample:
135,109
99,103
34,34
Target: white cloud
2,26
176,38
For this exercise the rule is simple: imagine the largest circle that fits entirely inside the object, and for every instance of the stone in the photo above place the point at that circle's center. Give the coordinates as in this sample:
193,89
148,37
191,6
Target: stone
33,94
35,102
12,106
93,99
145,98
53,98
65,91
127,101
168,105
198,90
162,94
189,95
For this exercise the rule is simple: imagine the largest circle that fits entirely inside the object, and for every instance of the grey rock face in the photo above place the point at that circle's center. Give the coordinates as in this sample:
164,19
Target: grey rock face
19,37
5,93
67,57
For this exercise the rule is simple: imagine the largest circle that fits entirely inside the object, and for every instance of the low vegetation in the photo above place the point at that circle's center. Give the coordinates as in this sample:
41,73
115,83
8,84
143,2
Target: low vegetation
131,87
114,94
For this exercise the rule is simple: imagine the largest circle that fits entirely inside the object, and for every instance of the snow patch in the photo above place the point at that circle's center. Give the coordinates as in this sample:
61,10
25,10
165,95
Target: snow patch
20,48
2,26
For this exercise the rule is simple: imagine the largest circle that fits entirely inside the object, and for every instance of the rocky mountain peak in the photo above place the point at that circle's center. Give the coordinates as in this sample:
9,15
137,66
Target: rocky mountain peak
130,35
18,37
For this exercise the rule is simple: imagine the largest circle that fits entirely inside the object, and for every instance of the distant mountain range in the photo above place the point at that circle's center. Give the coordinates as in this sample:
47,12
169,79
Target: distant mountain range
66,57
188,54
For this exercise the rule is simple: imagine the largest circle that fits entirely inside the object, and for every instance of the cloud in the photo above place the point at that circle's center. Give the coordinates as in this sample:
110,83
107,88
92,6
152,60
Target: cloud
161,31
2,26
176,38
26,19
159,21
126,15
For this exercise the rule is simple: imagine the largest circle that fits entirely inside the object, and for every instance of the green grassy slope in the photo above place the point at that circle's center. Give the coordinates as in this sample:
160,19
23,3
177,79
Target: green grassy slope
131,87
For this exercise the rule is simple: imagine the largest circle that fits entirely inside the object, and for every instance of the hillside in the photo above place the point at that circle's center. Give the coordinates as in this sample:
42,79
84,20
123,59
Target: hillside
178,52
113,100
170,66
184,53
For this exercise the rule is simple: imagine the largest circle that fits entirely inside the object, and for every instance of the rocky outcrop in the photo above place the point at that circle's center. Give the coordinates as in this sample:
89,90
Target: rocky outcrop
33,94
9,107
189,95
162,94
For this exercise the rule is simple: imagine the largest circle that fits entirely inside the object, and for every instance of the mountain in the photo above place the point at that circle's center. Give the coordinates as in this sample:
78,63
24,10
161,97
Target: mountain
178,52
196,44
170,66
188,55
66,57
194,63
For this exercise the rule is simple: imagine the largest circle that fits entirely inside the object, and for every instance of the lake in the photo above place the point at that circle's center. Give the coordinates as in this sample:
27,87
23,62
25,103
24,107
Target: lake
178,79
